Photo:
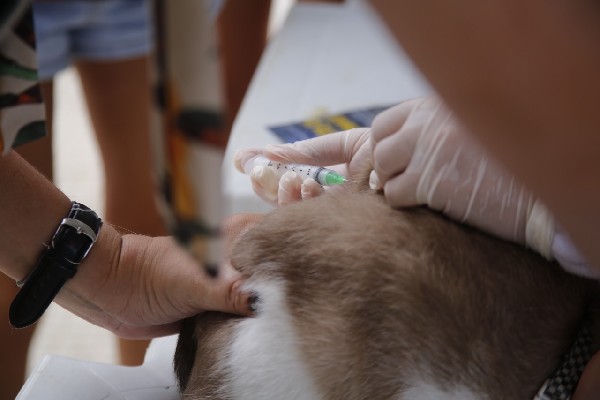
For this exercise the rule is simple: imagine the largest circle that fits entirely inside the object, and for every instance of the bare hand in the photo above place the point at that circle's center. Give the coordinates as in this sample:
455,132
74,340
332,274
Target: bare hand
141,287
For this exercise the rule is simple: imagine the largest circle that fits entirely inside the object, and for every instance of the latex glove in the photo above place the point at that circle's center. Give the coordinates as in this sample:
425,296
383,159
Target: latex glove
422,155
346,152
141,287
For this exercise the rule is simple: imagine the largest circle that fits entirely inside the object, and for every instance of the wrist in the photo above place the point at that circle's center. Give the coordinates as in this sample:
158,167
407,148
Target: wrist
72,241
86,294
26,225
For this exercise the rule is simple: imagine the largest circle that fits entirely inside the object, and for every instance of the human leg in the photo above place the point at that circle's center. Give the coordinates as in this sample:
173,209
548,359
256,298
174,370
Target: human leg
243,35
15,343
119,99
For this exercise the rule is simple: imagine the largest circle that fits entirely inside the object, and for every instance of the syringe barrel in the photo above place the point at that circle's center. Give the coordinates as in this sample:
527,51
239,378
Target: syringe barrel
304,171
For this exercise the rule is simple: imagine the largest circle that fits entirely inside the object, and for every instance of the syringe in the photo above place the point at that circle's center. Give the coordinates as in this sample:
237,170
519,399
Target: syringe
323,176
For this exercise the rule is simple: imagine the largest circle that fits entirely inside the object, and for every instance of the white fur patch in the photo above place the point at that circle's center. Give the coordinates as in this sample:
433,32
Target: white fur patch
422,390
265,360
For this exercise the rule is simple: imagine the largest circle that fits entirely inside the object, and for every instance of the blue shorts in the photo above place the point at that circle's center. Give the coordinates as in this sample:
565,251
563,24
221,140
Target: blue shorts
105,30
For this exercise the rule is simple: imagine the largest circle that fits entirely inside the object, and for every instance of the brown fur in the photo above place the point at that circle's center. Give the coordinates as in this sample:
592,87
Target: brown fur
379,297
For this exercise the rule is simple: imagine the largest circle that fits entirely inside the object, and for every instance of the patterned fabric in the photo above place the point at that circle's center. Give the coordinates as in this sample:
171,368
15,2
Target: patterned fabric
562,383
21,108
191,140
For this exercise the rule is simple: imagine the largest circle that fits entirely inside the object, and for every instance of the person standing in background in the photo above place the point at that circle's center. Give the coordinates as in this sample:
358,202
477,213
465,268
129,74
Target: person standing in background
109,43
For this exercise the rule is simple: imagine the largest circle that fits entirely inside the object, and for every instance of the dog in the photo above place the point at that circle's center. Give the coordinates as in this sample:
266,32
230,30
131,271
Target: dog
356,300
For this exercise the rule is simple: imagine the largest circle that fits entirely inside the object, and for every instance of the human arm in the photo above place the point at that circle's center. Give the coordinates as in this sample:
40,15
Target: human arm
423,155
133,285
523,77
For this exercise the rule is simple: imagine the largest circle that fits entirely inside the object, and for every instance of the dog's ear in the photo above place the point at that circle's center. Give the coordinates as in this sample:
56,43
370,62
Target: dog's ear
185,353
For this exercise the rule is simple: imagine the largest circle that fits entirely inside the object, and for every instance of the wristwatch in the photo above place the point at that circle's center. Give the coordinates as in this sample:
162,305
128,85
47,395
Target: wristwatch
70,244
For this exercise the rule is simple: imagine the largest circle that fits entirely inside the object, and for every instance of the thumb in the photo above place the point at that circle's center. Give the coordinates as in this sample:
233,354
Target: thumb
335,148
241,157
401,191
224,293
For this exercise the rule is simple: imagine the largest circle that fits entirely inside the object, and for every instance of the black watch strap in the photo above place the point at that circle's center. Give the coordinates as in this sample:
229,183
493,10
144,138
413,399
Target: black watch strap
71,242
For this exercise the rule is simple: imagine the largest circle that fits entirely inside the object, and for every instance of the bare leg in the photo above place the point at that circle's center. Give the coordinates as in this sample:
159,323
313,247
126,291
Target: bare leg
243,34
119,100
14,343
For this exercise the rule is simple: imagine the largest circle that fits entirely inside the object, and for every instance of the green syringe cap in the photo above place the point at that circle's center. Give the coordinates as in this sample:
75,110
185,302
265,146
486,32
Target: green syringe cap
333,178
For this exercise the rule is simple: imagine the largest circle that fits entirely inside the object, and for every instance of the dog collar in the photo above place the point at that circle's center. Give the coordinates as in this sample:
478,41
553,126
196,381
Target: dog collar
561,384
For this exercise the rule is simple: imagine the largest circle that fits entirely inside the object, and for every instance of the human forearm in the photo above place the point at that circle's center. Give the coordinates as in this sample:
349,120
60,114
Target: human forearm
133,285
30,210
528,89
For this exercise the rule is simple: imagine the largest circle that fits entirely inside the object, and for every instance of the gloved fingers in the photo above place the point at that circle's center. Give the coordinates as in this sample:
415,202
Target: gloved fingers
335,148
374,181
392,154
290,189
265,184
401,191
391,120
242,156
311,188
361,162
539,230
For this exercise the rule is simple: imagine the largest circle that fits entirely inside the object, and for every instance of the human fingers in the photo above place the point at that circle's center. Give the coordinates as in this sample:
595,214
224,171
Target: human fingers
146,332
265,183
241,157
397,131
393,153
181,286
335,148
224,293
190,290
156,283
391,120
290,189
311,188
401,191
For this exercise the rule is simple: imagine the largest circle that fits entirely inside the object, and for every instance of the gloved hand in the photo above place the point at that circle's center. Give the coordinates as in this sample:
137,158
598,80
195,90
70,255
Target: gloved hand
346,152
423,156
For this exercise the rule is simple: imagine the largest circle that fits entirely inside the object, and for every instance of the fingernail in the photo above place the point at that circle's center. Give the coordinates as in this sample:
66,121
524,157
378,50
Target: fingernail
310,188
374,182
211,270
253,302
241,159
289,178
